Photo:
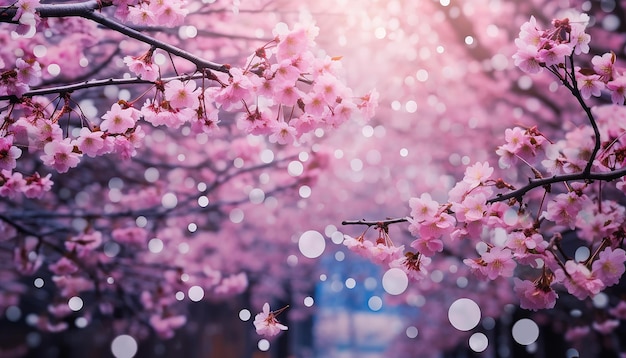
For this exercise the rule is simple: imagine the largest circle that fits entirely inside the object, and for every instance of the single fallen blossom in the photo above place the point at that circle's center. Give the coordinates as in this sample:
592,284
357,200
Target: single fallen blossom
266,323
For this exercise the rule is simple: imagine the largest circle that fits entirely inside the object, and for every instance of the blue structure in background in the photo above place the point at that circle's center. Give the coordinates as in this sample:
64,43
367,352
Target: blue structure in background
351,318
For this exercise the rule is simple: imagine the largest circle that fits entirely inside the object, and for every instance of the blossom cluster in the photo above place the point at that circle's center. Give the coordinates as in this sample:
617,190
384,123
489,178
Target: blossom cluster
266,323
511,231
551,49
283,92
151,13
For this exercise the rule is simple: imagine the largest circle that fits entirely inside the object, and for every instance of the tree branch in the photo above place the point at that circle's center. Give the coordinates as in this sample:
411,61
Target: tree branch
88,11
533,183
374,223
95,83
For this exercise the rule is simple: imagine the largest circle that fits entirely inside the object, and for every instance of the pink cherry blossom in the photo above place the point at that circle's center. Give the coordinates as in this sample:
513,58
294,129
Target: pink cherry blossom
24,8
579,281
533,296
590,85
618,89
118,120
165,326
283,133
604,66
90,143
60,155
63,266
609,267
266,324
427,245
414,265
8,153
423,208
477,173
143,66
182,94
498,262
133,236
37,186
605,327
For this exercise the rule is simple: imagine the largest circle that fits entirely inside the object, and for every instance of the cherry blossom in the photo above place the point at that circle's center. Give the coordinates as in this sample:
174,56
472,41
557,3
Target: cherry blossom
118,120
60,155
610,266
266,324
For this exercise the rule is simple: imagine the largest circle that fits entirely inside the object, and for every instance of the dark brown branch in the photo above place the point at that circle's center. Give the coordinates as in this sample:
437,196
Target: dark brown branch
534,183
91,10
95,83
374,223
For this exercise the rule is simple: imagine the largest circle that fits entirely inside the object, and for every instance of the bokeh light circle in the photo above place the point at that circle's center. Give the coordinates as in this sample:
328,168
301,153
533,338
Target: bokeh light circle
464,314
264,345
375,303
395,281
244,315
525,331
124,346
311,244
478,342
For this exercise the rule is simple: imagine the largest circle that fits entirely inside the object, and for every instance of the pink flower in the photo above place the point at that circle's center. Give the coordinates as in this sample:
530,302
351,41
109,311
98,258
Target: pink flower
342,113
358,245
292,44
477,173
534,296
526,58
579,281
618,89
266,323
327,86
382,253
564,209
28,72
118,120
427,245
60,155
62,267
287,95
609,267
605,327
8,153
90,143
590,85
604,66
368,104
26,258
575,333
473,208
165,326
283,133
169,13
25,9
36,186
229,97
84,244
554,55
232,285
619,311
135,236
141,14
143,66
182,95
285,73
423,208
413,264
498,262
